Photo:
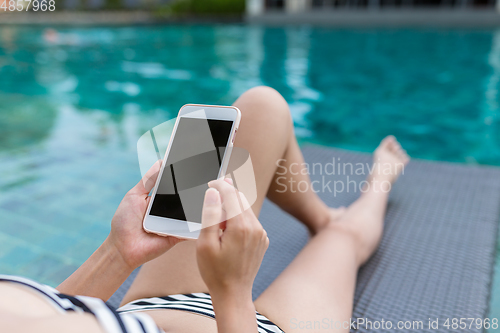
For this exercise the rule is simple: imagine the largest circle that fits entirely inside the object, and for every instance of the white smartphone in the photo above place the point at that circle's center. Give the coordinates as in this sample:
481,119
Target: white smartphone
198,152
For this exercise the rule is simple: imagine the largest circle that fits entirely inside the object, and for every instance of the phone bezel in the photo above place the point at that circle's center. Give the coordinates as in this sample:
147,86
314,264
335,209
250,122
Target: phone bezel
178,228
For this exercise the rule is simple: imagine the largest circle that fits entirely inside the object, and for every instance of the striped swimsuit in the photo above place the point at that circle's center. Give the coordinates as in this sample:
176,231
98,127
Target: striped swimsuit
110,320
200,303
128,318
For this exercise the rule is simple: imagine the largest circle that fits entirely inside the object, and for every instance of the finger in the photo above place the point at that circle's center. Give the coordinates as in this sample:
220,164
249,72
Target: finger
250,217
146,184
230,199
210,218
253,221
176,240
248,211
245,205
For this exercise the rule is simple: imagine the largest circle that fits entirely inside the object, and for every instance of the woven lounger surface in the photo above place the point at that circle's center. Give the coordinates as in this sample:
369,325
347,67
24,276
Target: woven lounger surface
437,253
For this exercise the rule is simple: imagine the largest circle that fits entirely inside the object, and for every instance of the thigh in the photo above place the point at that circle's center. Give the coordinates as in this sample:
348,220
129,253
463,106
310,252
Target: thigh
315,292
264,132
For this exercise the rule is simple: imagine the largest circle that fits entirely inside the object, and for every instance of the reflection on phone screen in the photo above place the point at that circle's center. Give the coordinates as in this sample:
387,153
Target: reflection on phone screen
194,159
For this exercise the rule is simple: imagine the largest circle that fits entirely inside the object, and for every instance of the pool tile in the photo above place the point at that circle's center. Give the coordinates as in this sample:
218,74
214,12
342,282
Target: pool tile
19,256
96,232
65,222
7,244
23,228
7,270
81,251
58,245
40,267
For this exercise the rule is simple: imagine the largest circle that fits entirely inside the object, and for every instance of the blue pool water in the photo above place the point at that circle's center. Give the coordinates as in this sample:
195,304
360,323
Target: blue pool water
74,102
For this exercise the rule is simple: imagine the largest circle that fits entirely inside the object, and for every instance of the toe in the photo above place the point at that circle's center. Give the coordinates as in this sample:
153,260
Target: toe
395,145
387,140
404,156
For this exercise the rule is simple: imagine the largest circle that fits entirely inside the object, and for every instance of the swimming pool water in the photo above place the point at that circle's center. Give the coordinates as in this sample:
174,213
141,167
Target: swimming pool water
74,101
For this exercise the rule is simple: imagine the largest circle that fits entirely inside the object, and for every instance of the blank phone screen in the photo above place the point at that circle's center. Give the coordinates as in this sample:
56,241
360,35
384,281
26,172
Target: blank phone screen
194,159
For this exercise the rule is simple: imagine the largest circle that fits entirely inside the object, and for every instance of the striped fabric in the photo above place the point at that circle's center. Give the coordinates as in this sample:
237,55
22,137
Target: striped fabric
200,303
110,320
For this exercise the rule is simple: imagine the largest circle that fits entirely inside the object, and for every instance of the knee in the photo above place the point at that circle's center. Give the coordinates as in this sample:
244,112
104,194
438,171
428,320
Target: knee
364,243
344,230
264,104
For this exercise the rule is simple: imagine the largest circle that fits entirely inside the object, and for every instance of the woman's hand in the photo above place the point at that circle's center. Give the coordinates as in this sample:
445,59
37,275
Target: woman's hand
127,247
127,235
229,259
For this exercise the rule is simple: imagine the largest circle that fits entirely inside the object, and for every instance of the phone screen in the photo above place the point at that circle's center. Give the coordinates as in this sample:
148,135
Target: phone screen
187,170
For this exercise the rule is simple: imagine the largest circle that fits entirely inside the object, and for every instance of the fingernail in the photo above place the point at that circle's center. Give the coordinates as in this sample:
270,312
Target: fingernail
211,196
210,183
229,181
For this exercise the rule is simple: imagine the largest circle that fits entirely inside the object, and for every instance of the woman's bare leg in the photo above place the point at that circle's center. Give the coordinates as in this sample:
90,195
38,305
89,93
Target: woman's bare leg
266,132
315,292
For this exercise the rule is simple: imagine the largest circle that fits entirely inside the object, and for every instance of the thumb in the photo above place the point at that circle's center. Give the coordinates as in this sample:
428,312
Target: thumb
146,184
211,217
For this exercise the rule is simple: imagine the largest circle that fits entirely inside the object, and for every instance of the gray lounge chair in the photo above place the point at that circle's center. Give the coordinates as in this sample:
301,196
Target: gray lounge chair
438,250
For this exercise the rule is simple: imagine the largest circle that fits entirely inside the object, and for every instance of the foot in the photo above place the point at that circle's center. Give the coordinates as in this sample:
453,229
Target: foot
389,160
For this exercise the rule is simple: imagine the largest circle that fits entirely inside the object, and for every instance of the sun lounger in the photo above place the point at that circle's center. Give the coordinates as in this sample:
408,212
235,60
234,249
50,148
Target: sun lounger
437,253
